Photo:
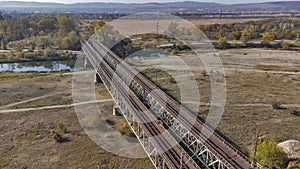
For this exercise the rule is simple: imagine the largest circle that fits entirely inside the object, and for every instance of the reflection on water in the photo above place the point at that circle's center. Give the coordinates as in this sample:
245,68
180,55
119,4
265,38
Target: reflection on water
39,66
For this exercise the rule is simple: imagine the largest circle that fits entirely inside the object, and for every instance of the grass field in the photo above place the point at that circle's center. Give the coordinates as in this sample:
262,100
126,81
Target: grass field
251,90
24,135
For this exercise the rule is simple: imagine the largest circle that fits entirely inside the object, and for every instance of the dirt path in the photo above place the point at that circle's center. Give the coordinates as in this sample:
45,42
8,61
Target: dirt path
53,107
265,105
29,100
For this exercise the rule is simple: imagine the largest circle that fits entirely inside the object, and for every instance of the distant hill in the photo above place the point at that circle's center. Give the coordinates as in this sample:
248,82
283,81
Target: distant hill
187,6
20,4
283,6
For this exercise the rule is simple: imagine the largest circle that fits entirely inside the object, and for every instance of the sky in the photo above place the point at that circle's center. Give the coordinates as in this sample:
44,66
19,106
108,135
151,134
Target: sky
144,1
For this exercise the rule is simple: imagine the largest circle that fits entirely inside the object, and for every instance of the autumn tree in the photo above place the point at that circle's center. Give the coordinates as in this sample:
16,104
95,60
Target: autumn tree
65,25
44,42
268,37
234,43
71,41
222,42
99,25
245,36
47,24
48,52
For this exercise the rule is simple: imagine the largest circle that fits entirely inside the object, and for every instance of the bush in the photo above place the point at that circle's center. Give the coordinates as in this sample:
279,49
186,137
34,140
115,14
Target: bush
48,52
126,130
222,43
56,136
285,46
20,55
61,126
270,155
174,52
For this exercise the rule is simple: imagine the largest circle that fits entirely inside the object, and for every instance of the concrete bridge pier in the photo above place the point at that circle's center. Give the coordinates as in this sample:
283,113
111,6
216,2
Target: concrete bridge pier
117,111
87,62
98,79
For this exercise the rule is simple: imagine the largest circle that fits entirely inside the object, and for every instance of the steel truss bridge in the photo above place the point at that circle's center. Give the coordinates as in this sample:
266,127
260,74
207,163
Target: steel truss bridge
141,101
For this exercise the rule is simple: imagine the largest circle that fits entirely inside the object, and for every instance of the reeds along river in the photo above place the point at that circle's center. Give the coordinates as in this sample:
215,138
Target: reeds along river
39,66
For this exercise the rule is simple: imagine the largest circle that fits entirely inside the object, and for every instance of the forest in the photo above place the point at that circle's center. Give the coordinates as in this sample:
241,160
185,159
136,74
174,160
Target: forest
281,33
52,36
37,36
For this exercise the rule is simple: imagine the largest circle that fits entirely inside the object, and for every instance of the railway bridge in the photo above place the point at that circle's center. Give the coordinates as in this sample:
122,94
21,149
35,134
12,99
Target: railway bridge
143,105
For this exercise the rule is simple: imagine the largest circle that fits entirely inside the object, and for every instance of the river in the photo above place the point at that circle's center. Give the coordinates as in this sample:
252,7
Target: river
39,66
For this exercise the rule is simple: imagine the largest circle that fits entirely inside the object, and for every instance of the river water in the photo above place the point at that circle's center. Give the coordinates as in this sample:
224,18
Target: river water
39,66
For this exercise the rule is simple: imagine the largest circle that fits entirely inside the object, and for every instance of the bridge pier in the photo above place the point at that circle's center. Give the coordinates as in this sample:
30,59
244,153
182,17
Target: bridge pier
98,79
117,111
87,63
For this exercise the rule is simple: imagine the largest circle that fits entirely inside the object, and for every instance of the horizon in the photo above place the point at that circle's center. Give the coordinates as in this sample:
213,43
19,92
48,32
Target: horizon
229,2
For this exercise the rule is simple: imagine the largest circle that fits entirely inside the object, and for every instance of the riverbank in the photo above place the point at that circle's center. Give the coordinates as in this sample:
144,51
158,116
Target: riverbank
10,56
34,60
40,66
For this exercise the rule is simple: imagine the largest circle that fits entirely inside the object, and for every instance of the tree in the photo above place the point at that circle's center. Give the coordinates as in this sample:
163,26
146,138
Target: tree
49,53
3,47
285,46
234,43
99,25
173,30
44,42
270,155
1,17
222,42
47,24
71,41
268,37
245,36
65,25
125,130
235,35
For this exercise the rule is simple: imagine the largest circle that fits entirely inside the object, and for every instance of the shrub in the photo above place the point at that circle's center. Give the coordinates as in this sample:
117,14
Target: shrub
270,155
173,52
125,130
285,46
60,124
20,55
56,136
48,52
222,43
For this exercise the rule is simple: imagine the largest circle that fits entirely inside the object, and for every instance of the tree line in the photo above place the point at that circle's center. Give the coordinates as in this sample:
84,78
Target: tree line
38,32
264,31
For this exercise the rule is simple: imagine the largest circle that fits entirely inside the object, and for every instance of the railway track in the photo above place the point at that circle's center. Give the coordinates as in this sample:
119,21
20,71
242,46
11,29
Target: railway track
220,147
172,156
